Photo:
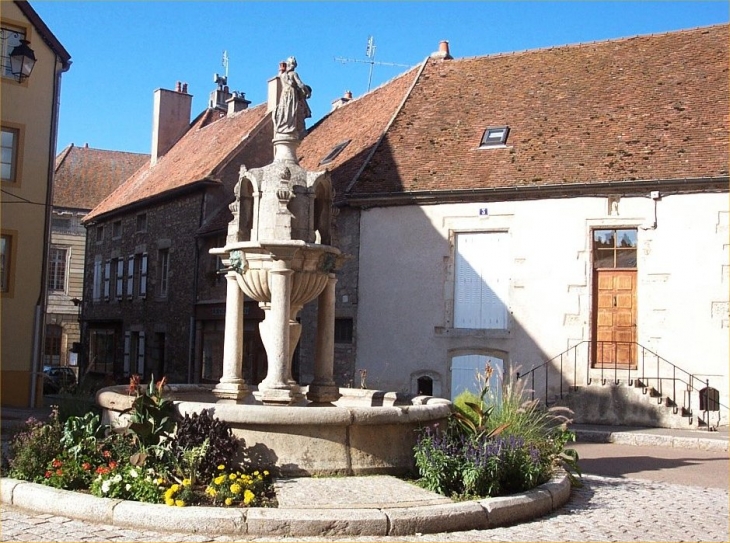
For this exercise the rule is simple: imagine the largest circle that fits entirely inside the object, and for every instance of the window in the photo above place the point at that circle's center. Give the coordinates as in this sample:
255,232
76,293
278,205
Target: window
343,330
134,353
163,271
495,136
481,281
9,154
334,152
117,230
6,261
614,248
9,38
99,234
57,259
142,222
52,352
101,351
61,223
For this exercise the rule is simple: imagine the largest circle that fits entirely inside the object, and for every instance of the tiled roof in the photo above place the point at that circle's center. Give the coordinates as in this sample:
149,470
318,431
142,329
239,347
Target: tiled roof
642,108
84,177
363,121
198,156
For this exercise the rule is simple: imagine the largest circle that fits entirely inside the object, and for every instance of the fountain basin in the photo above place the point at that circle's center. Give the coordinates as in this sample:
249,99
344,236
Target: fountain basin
365,432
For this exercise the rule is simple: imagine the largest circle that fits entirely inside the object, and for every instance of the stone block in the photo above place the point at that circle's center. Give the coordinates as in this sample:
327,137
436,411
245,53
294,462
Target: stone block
506,510
7,486
317,522
54,501
206,520
559,489
436,518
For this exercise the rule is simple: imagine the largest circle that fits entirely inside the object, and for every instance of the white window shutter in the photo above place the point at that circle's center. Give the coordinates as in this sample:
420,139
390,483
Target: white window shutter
127,345
140,354
130,276
96,294
143,277
107,278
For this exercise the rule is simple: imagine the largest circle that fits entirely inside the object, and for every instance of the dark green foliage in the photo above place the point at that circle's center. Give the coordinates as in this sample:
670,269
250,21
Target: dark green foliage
152,415
35,446
223,447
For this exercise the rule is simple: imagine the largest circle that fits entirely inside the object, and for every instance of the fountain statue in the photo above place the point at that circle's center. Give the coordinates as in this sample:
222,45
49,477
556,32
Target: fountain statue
278,252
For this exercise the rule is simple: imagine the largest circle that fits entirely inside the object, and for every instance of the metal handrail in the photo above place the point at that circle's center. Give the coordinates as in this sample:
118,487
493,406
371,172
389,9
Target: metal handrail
689,380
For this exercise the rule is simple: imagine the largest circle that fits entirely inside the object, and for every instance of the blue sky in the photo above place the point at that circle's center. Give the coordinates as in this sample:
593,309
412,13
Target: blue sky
123,51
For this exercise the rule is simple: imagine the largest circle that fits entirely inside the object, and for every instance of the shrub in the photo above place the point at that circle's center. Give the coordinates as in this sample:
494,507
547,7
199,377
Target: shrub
223,447
33,447
489,449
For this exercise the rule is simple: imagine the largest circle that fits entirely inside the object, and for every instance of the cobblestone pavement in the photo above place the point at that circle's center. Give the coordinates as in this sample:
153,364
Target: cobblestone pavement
605,509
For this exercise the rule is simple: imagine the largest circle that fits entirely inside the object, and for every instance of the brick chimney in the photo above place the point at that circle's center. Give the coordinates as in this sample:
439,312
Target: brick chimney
237,102
342,100
170,118
443,53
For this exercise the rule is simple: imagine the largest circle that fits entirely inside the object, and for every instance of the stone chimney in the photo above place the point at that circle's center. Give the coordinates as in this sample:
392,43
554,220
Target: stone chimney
237,102
170,118
220,96
342,100
443,53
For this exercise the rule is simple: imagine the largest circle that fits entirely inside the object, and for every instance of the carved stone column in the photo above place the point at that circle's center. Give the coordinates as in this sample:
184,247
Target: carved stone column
323,389
232,385
277,387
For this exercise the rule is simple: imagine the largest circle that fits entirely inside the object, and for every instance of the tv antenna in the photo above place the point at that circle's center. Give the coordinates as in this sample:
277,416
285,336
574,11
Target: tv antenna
370,53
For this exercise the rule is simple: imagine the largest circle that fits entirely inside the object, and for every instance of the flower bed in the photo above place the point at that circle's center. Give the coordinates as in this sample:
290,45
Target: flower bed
157,458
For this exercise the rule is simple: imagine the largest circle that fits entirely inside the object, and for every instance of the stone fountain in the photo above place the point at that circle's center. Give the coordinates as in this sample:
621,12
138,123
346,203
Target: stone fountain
278,253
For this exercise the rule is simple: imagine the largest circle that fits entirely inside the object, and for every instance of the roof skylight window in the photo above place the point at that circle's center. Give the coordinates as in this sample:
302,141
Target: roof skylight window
336,150
495,136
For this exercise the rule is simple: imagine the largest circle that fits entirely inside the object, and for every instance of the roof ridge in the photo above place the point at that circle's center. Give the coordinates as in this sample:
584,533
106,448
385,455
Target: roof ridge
397,111
61,158
593,42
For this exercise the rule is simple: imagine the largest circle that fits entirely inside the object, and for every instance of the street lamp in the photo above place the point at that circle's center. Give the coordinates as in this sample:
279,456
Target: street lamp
22,60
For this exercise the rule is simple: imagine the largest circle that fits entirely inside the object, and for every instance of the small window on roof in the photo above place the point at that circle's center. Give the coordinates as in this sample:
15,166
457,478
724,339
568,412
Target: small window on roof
336,150
495,136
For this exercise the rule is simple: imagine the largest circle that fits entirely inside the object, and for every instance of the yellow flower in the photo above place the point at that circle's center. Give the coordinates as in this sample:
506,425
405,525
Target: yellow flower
186,482
168,493
179,503
175,487
229,501
212,491
219,480
235,488
160,480
232,476
256,472
169,501
248,497
266,473
221,467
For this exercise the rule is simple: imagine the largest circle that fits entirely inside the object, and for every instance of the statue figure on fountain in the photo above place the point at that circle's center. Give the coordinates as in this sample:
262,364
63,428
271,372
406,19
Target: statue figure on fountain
292,108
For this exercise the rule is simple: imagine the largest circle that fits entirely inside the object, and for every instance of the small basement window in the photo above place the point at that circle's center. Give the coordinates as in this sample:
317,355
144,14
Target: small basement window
495,136
336,150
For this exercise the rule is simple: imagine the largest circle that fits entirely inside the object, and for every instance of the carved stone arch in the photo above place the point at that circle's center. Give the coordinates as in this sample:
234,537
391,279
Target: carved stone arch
321,186
465,364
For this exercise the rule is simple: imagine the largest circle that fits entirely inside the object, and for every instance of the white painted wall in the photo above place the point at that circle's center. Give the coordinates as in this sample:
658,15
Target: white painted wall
406,283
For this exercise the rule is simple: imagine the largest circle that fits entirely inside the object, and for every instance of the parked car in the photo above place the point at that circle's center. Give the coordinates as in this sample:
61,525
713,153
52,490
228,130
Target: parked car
56,378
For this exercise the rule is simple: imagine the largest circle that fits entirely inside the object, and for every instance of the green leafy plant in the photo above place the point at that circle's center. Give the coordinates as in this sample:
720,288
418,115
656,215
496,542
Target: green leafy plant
128,482
152,415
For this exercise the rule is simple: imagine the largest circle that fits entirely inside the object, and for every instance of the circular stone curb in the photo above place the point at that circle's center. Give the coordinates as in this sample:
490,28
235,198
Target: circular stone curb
299,522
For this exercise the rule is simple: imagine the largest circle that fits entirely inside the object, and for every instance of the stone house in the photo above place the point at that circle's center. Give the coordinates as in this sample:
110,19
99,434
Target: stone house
147,243
557,207
29,111
83,177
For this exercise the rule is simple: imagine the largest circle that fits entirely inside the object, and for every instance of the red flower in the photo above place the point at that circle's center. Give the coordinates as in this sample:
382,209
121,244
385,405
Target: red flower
56,463
59,472
160,384
133,383
101,470
112,464
106,454
48,475
86,466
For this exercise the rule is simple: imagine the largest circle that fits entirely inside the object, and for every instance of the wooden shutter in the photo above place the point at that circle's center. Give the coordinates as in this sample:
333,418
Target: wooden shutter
143,277
120,279
107,278
96,294
130,276
127,345
140,354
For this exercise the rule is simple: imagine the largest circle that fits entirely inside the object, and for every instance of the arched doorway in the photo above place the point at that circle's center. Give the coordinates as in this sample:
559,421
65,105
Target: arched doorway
468,372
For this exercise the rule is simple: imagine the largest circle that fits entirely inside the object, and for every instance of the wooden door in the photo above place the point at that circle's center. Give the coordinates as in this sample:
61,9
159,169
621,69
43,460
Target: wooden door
615,318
